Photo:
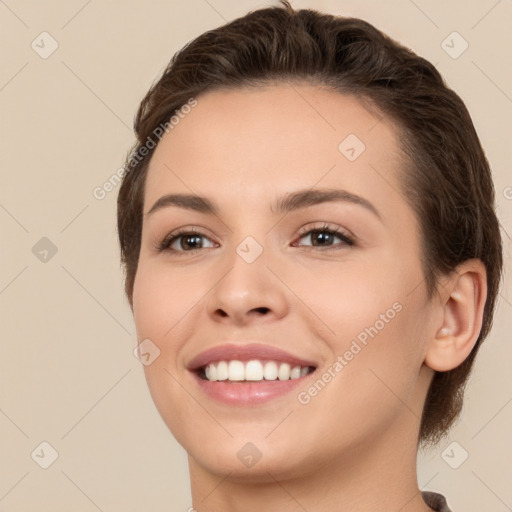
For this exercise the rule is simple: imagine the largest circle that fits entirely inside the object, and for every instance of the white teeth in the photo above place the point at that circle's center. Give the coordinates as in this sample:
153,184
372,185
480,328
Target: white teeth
254,371
235,370
222,371
270,371
295,372
284,371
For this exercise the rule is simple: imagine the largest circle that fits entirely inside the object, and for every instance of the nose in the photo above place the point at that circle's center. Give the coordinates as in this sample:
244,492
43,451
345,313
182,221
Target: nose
247,292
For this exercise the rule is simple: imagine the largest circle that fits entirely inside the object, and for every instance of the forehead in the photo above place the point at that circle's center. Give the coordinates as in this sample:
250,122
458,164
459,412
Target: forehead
273,139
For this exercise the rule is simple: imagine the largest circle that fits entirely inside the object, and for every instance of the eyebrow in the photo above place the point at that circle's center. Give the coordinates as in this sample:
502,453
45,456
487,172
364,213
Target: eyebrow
287,203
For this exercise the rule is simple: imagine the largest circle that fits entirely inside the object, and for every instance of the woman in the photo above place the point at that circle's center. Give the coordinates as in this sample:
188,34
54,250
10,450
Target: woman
312,260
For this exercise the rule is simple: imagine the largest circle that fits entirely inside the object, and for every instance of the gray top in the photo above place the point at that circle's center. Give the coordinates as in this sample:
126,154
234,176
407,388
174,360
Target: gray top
435,501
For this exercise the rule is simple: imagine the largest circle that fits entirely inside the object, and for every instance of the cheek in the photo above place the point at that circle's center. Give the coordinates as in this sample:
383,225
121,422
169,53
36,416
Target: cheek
162,300
160,308
371,382
343,299
376,332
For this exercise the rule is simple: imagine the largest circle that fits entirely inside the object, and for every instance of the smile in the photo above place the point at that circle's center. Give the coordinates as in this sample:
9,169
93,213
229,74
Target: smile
252,371
248,374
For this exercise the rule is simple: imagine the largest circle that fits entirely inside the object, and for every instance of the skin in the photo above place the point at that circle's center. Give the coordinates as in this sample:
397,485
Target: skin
353,446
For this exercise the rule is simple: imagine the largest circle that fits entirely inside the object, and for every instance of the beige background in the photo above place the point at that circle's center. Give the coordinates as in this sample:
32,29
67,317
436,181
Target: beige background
67,372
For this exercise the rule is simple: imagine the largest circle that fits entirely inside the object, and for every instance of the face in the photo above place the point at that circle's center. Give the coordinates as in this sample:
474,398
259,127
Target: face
269,274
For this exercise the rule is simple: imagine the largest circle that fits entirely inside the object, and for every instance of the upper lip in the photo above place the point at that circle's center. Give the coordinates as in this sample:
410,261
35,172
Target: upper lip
246,352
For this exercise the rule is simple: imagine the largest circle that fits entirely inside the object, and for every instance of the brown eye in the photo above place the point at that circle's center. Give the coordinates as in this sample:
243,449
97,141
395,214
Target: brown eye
325,237
183,241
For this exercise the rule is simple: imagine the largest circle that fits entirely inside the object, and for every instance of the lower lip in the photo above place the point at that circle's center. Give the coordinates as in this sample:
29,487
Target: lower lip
247,393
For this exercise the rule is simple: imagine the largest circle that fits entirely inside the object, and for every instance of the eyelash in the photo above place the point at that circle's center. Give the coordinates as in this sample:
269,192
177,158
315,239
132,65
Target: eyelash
165,244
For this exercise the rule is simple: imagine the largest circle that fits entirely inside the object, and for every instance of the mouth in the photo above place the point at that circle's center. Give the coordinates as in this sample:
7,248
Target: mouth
254,370
248,374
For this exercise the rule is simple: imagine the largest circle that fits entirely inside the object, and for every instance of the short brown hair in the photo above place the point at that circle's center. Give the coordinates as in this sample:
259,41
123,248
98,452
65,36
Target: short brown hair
447,179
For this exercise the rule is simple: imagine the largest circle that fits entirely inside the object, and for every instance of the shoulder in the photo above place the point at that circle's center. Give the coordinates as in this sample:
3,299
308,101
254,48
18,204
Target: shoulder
436,501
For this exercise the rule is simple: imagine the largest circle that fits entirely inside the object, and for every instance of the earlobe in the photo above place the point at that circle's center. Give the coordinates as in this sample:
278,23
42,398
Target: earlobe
463,302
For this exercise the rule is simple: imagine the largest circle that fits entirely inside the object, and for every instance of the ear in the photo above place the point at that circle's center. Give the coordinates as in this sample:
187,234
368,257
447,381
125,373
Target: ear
462,300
